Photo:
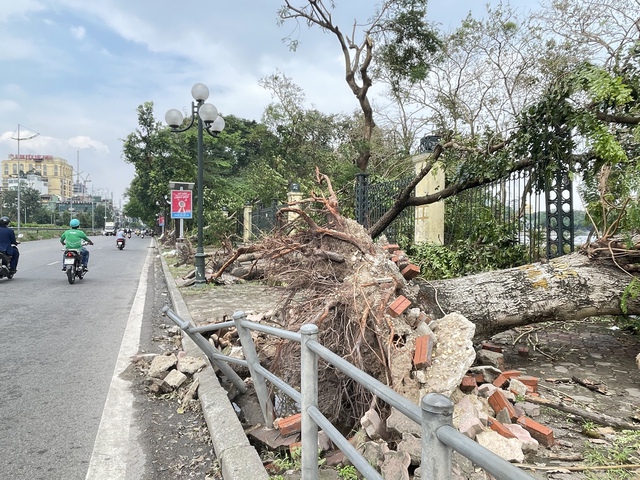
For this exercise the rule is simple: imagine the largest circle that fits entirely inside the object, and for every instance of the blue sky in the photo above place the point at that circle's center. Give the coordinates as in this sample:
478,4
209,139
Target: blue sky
75,71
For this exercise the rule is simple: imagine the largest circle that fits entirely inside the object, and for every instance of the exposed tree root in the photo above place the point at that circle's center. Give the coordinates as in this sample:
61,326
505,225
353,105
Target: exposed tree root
334,276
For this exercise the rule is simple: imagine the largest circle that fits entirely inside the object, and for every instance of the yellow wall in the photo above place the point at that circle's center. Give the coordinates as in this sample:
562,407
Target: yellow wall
56,169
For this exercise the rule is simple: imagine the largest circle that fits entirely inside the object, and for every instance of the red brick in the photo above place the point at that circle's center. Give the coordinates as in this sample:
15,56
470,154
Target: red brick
479,378
392,247
468,384
492,347
398,306
530,382
295,448
290,425
498,402
541,433
424,350
523,351
500,381
411,271
512,373
497,426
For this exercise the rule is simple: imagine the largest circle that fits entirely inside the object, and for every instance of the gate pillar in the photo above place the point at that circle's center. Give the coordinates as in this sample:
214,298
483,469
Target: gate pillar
429,219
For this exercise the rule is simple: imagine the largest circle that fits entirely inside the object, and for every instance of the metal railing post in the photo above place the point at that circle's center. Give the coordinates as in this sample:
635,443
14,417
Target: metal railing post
252,359
309,394
437,410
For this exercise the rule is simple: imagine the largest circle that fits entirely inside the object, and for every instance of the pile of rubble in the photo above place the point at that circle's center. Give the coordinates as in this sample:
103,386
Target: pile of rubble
169,372
433,356
490,407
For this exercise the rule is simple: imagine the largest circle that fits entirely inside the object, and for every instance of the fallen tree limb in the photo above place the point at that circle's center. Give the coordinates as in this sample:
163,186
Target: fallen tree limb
599,418
238,253
591,385
319,231
577,468
333,256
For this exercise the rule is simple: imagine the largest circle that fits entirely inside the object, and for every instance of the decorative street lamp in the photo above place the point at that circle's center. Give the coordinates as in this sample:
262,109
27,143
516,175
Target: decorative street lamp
208,116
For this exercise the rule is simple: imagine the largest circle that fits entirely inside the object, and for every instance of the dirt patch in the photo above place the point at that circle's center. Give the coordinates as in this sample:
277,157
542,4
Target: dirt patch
568,357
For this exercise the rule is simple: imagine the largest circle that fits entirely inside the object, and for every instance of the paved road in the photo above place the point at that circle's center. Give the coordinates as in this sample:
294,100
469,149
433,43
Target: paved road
60,346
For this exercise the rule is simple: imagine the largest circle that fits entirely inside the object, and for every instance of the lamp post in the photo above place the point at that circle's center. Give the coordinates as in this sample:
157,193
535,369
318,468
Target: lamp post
18,137
207,115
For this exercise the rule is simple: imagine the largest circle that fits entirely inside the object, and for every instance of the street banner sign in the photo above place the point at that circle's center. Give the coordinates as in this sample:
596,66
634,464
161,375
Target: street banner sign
181,204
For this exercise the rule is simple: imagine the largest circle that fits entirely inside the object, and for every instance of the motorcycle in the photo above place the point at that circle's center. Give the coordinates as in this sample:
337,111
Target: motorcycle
120,243
73,262
4,262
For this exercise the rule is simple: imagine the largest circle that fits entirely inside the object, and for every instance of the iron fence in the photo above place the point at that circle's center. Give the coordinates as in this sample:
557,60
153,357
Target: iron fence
264,218
435,413
373,200
508,208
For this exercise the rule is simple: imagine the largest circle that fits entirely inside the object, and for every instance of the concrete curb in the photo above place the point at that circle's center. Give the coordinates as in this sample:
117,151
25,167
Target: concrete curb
239,460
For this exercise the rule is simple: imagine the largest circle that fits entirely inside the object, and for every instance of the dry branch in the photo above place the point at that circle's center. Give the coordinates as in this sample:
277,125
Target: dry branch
599,418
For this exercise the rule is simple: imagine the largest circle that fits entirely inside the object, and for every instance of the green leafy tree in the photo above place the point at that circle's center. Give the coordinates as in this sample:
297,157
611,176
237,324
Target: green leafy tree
30,205
306,139
161,156
158,157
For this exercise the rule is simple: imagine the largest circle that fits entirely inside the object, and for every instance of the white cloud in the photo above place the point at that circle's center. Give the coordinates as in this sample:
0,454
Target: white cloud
81,91
78,32
88,142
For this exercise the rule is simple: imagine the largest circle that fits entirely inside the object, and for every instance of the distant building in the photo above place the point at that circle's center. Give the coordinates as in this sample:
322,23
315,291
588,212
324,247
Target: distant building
46,173
31,180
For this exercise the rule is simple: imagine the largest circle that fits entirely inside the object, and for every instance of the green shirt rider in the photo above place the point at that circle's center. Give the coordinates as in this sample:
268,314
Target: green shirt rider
72,240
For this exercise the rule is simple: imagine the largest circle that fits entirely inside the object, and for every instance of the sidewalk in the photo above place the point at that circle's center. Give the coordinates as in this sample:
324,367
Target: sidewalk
239,460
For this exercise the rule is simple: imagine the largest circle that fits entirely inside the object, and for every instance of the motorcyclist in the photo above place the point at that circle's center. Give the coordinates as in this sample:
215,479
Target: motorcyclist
120,235
8,242
72,240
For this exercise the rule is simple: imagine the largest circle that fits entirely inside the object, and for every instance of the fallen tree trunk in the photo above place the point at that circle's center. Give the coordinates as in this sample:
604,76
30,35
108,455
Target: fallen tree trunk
571,287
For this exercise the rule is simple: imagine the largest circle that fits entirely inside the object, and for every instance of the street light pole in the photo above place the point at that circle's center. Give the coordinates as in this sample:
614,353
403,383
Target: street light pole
208,116
18,138
199,257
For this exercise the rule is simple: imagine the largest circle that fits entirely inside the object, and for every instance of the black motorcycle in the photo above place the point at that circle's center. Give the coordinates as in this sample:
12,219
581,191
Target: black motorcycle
4,263
120,243
73,262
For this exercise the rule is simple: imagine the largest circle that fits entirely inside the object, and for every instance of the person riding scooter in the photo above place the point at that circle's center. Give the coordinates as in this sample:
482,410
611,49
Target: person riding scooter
121,235
72,240
8,244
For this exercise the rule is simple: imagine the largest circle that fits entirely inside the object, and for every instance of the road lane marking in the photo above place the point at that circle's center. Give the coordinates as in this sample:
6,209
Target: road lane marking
112,446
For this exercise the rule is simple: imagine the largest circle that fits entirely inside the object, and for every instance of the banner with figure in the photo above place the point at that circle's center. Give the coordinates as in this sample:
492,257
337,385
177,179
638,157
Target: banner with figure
181,204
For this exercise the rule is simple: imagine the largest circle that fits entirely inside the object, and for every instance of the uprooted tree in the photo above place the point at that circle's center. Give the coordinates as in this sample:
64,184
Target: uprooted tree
334,275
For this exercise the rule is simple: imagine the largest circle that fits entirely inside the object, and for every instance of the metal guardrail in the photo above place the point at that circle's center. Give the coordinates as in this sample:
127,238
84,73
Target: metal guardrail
435,413
89,231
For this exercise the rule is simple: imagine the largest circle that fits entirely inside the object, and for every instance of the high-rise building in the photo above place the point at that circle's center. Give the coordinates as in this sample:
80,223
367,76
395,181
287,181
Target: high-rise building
55,172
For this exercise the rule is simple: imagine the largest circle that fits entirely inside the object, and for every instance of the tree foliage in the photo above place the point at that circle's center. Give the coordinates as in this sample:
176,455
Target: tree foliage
556,89
31,206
